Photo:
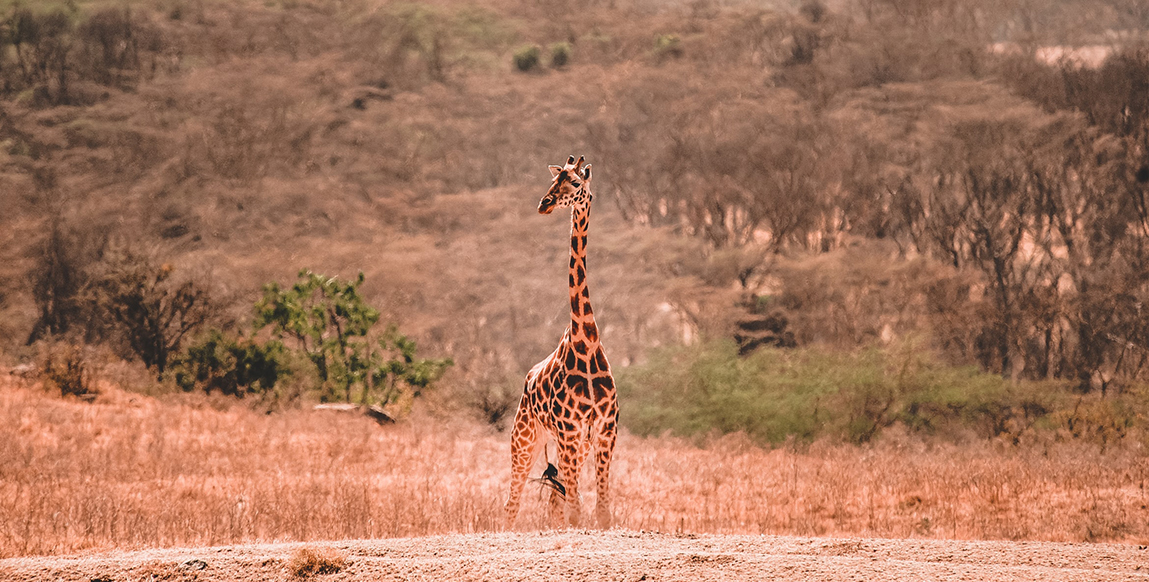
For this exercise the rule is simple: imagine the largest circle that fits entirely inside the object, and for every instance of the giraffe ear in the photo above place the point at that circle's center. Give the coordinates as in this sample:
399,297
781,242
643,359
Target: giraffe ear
555,170
586,173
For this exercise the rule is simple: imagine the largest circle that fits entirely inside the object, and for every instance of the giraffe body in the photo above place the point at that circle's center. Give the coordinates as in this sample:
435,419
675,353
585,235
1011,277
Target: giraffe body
569,397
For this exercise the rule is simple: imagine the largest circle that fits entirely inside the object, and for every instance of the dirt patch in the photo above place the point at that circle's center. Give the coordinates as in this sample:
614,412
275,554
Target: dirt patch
614,555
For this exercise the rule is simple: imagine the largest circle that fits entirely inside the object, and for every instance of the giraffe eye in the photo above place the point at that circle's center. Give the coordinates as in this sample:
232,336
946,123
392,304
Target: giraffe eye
576,184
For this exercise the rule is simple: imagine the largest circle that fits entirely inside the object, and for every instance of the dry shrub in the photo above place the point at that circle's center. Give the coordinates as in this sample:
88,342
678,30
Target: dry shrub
857,296
152,310
118,47
1101,421
159,571
242,127
65,367
58,50
310,561
60,277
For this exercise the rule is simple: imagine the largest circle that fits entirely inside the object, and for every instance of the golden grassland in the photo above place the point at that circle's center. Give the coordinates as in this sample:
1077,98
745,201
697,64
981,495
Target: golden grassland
132,471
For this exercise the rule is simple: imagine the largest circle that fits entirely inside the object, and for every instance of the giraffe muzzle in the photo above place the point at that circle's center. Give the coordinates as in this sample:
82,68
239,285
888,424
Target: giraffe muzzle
546,205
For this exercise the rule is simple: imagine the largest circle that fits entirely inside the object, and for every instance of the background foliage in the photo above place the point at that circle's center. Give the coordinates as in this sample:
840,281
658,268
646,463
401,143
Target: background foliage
841,176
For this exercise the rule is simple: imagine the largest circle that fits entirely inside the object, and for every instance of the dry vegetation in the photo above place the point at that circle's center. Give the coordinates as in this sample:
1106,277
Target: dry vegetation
309,561
130,471
845,178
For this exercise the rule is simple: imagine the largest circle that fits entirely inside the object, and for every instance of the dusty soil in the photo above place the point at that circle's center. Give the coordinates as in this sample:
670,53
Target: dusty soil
613,555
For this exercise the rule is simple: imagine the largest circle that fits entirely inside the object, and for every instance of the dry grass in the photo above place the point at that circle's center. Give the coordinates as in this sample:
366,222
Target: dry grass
308,561
130,471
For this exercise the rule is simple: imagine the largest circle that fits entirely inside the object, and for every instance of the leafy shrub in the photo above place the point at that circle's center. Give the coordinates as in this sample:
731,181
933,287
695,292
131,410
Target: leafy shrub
329,321
395,367
774,394
560,54
526,58
235,367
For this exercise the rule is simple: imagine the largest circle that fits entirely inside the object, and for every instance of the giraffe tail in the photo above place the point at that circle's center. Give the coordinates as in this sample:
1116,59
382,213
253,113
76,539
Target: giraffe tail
550,479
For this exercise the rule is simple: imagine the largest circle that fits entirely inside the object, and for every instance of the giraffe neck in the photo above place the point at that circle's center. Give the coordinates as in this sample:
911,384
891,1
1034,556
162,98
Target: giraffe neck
583,327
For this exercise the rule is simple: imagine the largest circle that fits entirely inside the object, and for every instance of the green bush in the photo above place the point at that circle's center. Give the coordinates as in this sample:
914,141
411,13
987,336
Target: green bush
329,322
773,394
527,58
560,54
396,373
327,319
667,46
235,367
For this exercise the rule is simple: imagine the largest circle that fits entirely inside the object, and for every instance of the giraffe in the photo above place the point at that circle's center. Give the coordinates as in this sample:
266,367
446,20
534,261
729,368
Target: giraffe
569,396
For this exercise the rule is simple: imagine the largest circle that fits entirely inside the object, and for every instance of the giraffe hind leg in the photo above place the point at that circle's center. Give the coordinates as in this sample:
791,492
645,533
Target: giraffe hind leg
604,451
527,440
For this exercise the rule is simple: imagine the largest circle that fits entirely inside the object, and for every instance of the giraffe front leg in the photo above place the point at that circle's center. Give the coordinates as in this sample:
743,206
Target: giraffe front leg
525,439
572,452
604,451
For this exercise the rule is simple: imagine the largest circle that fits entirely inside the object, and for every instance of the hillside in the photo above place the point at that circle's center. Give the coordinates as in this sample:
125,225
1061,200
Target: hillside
865,173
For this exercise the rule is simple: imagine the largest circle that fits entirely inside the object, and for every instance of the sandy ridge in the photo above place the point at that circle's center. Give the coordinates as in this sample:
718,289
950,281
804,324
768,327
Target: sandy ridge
613,555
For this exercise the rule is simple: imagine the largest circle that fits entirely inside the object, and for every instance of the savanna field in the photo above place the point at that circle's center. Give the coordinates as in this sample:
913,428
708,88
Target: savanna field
129,471
862,268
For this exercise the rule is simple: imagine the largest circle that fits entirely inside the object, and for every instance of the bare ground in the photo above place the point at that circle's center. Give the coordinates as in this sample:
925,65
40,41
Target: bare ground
612,555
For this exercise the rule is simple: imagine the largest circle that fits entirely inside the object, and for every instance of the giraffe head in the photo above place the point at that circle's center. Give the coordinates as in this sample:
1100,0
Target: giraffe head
570,187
